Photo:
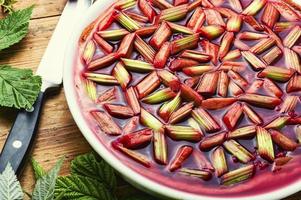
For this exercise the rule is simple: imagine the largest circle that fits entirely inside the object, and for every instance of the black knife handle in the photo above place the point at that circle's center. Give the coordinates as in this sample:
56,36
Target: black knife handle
21,137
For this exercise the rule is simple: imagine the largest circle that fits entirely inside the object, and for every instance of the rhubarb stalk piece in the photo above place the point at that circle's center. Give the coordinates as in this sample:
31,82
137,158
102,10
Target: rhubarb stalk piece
219,161
210,49
226,44
232,55
147,85
238,175
251,36
289,104
102,62
159,96
162,55
180,63
208,84
238,79
174,13
286,11
144,49
254,7
292,37
262,45
252,115
103,44
107,96
186,133
217,103
233,115
283,141
197,70
126,45
160,147
206,121
149,120
146,9
223,82
122,75
140,158
253,60
188,94
104,79
146,31
132,100
272,55
182,154
161,35
277,123
292,60
212,141
241,153
187,42
213,17
137,65
113,34
119,111
270,15
211,32
169,79
265,144
260,100
197,19
106,123
197,173
89,52
234,66
137,139
181,113
127,22
243,132
234,23
272,88
91,89
276,73
169,107
294,84
196,55
234,89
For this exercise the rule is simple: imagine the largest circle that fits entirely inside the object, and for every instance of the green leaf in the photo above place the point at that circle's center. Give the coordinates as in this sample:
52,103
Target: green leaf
44,188
76,187
91,165
141,197
7,5
38,170
14,27
19,88
10,187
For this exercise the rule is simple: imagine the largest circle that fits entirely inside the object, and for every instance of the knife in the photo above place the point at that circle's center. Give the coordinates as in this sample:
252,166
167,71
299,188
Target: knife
23,132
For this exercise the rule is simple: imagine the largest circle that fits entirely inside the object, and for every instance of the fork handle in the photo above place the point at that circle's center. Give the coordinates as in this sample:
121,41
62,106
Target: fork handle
21,137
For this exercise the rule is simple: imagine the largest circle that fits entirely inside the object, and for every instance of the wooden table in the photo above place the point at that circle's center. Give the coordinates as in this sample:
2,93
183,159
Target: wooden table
58,135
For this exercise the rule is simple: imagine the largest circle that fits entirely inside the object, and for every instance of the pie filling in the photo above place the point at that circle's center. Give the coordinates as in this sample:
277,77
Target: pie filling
202,91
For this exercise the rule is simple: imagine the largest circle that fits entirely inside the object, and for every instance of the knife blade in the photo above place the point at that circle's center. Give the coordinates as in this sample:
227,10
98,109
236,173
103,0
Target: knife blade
23,131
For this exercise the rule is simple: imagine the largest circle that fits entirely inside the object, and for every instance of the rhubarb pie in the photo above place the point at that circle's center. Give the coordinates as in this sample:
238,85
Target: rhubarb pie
201,96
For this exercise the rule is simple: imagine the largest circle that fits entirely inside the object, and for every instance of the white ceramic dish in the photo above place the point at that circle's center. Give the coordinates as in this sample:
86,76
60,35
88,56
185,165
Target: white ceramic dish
133,177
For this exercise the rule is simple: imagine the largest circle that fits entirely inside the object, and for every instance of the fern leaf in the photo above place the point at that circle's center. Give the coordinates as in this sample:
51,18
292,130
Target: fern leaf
91,165
44,188
77,187
10,188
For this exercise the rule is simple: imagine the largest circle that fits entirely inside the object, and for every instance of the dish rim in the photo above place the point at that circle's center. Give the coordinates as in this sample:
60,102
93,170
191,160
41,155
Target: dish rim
133,177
